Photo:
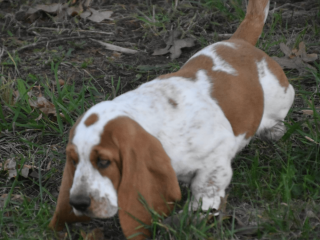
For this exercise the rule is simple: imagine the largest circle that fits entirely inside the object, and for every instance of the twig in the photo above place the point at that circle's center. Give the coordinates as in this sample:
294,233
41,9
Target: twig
114,47
222,35
68,29
46,42
153,13
286,5
1,52
311,140
150,20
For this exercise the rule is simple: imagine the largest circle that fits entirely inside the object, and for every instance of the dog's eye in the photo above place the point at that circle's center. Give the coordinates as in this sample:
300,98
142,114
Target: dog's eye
103,163
74,162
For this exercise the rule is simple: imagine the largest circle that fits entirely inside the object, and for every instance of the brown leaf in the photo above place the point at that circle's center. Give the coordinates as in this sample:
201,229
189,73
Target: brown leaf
95,234
174,35
175,50
307,112
14,197
285,49
61,82
16,96
310,57
62,15
87,3
96,16
62,235
85,14
51,8
293,63
10,166
174,46
39,117
83,234
161,51
116,55
296,59
24,172
48,166
34,174
303,54
75,10
43,105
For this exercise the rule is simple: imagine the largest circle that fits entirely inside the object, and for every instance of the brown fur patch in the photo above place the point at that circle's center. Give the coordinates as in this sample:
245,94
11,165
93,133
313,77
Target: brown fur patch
131,149
172,102
93,118
240,97
251,27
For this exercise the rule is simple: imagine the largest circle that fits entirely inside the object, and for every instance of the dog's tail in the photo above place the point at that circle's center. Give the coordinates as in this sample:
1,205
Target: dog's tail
251,27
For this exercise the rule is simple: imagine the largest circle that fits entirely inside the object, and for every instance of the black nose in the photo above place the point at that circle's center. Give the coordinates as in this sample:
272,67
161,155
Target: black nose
80,202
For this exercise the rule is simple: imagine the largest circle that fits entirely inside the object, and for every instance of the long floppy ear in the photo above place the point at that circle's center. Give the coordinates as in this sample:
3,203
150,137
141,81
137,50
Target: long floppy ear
146,170
64,213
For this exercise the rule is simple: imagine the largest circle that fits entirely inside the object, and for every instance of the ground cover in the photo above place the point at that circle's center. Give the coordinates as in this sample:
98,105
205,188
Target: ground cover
54,67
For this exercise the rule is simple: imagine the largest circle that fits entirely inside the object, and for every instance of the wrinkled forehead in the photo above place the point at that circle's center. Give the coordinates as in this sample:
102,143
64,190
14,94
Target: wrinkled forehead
88,131
86,137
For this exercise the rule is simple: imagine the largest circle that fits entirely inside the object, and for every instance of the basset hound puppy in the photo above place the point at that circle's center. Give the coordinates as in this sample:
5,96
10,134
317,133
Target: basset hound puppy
185,126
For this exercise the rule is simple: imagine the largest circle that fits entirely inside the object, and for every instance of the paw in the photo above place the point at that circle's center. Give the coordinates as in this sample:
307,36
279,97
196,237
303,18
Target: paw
274,133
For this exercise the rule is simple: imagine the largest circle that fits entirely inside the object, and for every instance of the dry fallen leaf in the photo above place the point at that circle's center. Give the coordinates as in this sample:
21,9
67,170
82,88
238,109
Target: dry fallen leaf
87,3
95,234
85,14
61,15
14,198
60,11
96,16
16,96
50,8
175,50
307,112
10,166
62,235
39,117
116,55
174,45
75,10
61,82
296,59
42,104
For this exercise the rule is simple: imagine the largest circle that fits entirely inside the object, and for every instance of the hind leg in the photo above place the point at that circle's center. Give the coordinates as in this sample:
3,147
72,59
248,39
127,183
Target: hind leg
274,133
278,101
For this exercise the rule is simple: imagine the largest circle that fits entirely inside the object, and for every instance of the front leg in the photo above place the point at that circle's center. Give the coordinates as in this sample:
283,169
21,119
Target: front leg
209,185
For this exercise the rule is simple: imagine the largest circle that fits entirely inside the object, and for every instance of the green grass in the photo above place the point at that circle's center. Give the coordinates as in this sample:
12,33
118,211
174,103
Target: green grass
275,184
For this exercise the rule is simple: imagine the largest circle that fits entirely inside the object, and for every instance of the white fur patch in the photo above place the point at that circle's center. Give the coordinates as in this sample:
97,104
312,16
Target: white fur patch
266,11
219,64
277,102
87,180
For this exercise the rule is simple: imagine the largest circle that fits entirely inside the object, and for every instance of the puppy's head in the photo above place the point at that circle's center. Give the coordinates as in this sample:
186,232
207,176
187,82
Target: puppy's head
96,160
110,165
